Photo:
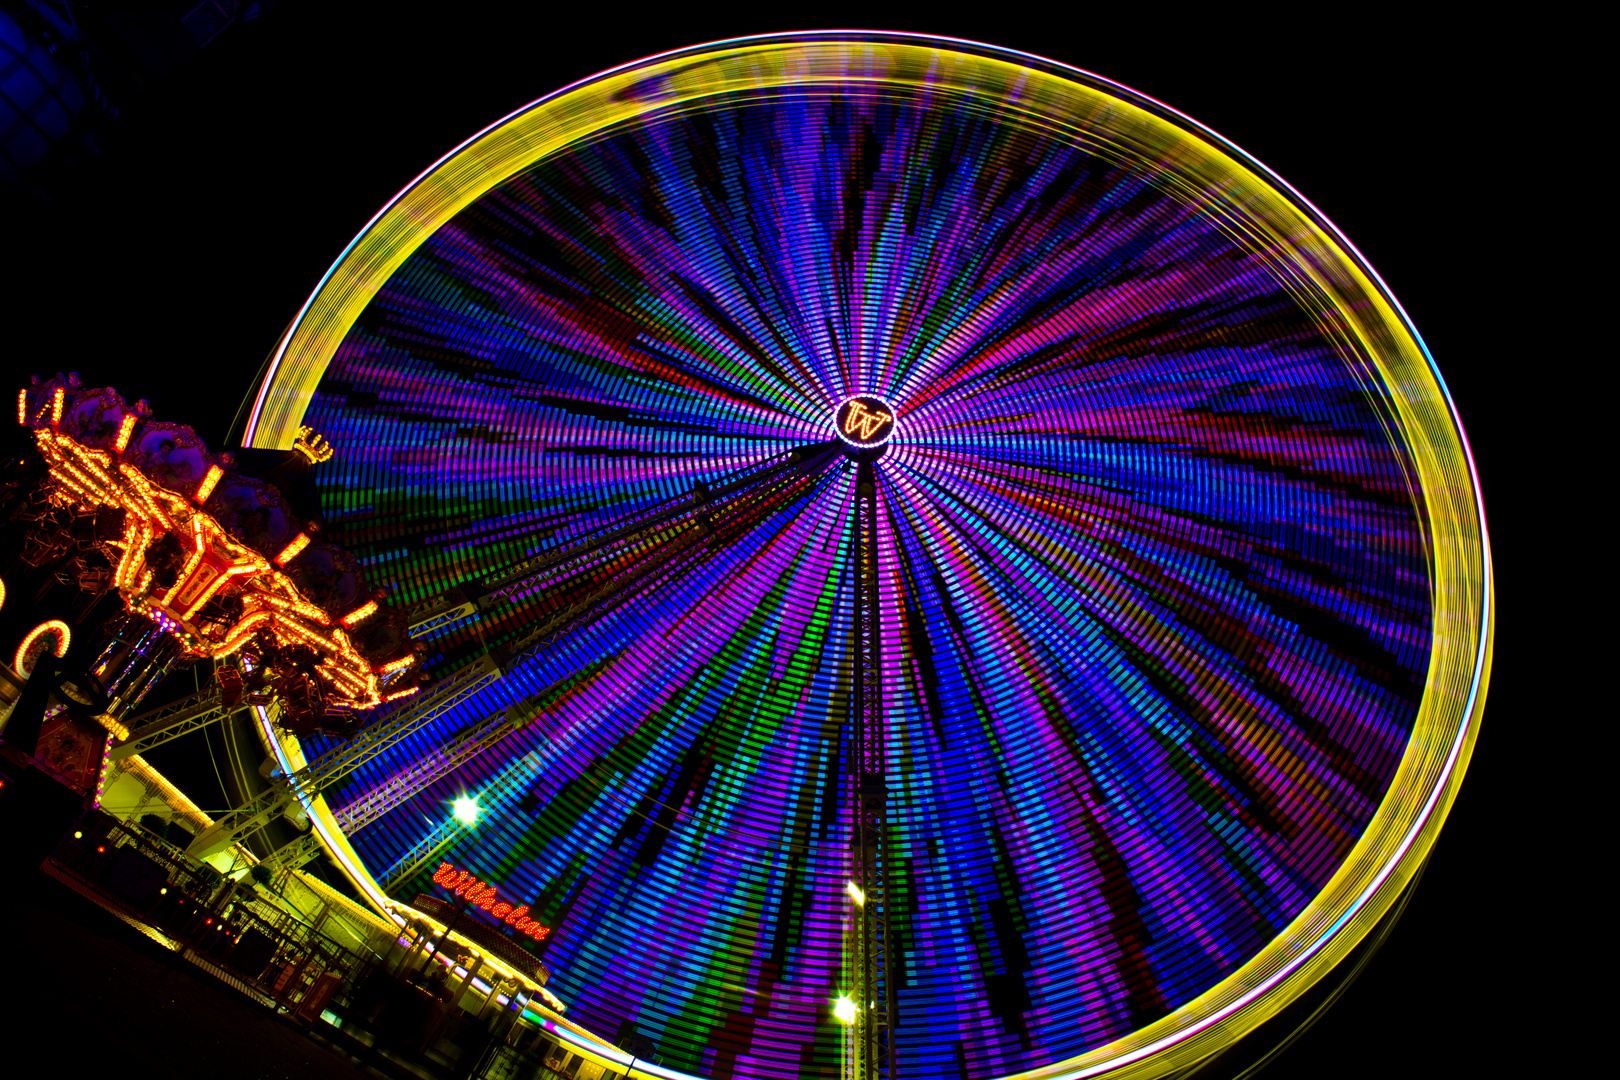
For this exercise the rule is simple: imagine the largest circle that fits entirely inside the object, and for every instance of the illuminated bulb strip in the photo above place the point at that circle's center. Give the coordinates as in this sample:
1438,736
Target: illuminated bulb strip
208,592
80,483
56,406
247,561
84,483
300,607
241,634
346,679
209,481
143,495
101,776
192,562
249,623
398,665
290,552
349,676
126,428
53,626
94,462
360,613
22,407
397,694
349,654
2,593
214,586
298,630
126,561
134,553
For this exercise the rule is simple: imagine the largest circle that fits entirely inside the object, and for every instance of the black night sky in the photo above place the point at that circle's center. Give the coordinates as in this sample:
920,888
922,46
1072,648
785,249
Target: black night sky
169,266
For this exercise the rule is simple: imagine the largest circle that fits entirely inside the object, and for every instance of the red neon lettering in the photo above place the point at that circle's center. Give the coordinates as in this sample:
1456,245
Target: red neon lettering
485,895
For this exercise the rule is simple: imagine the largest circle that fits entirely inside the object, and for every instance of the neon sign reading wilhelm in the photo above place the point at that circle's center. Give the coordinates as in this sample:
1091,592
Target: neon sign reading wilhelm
483,895
864,421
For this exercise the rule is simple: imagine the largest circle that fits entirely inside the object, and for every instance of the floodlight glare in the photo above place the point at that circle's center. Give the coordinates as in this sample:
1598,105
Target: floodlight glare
844,1009
466,811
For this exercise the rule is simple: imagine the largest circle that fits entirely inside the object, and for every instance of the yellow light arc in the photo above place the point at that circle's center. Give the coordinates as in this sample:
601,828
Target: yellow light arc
1325,273
60,636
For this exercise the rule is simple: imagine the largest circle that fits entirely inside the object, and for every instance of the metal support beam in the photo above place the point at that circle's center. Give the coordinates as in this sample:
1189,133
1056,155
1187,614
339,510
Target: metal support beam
158,726
430,768
423,851
871,963
291,856
342,760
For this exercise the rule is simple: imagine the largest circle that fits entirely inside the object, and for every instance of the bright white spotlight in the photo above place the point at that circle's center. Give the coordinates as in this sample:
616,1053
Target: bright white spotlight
466,811
855,894
844,1009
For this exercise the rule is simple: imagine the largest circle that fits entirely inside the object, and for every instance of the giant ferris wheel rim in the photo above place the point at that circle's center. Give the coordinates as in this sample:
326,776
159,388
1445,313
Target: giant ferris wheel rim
269,427
1435,758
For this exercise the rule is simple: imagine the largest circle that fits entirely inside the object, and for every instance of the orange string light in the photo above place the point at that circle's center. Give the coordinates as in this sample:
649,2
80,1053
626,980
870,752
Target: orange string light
300,606
209,480
290,552
126,428
23,662
211,561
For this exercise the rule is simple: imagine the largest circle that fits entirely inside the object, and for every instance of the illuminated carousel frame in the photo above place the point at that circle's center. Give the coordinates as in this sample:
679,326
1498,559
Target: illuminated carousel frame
1248,200
117,476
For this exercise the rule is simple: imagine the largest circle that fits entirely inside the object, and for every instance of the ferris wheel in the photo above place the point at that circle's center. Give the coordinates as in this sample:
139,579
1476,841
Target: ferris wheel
922,561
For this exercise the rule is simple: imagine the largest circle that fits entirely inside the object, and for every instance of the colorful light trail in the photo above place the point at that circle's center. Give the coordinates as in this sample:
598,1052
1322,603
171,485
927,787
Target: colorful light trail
1184,593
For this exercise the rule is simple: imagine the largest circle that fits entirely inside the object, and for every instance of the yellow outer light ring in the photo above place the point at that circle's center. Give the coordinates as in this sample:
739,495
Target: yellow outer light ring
1323,269
62,637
